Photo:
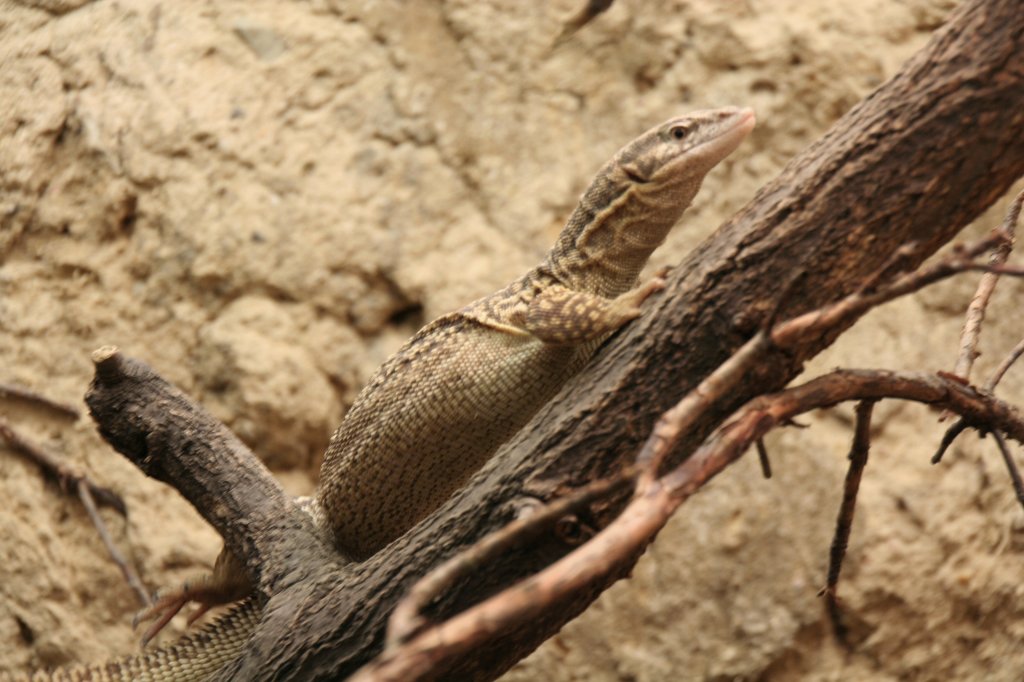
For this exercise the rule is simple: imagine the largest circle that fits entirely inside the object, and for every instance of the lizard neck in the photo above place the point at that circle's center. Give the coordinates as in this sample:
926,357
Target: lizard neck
611,234
638,196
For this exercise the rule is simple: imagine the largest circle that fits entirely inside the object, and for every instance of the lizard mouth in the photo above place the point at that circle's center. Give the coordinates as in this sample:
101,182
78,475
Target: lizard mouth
732,131
634,176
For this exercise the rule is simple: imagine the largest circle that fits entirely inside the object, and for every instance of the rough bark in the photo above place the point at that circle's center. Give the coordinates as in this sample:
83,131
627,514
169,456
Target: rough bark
173,440
915,161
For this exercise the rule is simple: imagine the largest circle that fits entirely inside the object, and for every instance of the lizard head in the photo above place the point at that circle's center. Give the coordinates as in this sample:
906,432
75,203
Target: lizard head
639,195
679,152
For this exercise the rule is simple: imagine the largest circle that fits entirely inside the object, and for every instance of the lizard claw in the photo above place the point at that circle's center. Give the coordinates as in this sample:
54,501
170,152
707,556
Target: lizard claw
161,611
208,591
627,306
650,286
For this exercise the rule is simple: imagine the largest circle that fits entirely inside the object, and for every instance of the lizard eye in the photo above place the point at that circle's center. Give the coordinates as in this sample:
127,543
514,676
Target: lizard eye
677,132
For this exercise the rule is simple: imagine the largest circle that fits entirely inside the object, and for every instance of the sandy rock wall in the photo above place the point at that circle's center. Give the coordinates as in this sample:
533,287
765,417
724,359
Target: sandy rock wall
263,199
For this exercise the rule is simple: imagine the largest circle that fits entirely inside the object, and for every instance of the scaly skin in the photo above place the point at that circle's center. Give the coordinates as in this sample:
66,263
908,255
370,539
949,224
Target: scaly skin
439,408
435,412
194,657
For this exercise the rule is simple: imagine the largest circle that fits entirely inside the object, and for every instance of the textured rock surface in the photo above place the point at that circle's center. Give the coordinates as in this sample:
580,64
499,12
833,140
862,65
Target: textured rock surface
263,199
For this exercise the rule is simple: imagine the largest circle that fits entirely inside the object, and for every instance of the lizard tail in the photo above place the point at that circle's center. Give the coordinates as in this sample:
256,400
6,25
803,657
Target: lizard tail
196,656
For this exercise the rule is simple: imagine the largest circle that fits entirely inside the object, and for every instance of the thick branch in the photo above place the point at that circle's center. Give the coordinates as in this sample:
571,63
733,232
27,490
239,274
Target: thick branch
914,162
173,440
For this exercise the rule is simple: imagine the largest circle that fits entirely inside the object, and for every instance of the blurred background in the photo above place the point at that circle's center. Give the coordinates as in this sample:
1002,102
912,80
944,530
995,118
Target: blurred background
264,199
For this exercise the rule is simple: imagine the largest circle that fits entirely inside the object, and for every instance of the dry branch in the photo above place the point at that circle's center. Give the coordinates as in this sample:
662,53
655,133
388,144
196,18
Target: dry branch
67,475
172,439
844,522
971,332
119,559
10,390
976,309
90,494
1004,366
1011,466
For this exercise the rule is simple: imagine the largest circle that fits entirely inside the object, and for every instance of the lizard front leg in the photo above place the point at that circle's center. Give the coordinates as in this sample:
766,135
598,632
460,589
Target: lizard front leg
560,315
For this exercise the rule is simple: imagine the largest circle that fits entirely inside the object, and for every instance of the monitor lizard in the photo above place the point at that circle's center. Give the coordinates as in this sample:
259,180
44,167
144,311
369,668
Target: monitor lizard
434,413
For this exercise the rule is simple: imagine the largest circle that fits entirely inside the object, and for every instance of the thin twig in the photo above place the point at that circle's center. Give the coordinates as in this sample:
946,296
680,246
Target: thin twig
762,457
1005,365
844,521
67,475
1009,270
1013,213
581,19
954,430
971,332
24,393
975,316
1011,466
674,423
127,571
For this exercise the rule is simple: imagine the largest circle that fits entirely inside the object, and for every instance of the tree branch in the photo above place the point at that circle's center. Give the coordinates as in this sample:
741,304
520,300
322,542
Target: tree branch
986,286
11,390
172,439
844,523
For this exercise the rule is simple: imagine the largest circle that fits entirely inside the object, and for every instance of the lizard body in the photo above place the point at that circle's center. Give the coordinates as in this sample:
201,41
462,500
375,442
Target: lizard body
434,413
438,409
